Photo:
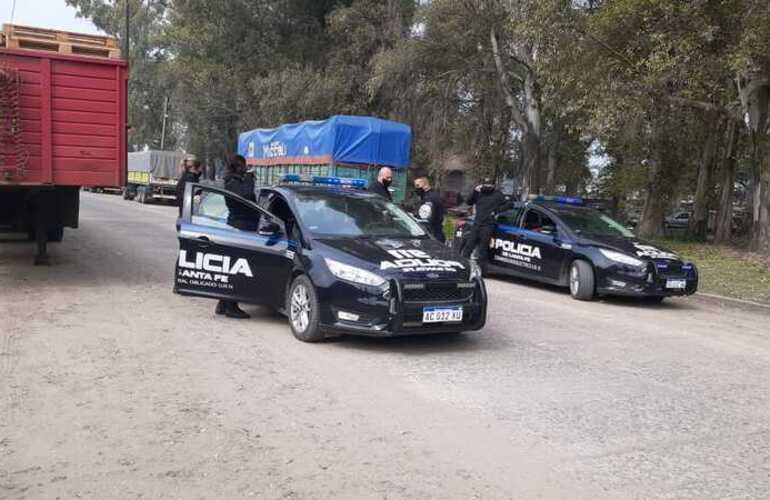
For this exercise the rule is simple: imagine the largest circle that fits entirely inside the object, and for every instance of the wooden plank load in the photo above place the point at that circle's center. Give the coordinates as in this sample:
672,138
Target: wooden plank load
25,37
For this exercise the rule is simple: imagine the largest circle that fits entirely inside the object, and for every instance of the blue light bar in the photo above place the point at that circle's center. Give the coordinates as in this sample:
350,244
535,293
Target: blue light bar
566,200
339,181
325,180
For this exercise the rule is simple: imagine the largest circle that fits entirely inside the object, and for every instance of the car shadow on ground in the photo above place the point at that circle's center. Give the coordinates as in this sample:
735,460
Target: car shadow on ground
416,345
669,304
406,344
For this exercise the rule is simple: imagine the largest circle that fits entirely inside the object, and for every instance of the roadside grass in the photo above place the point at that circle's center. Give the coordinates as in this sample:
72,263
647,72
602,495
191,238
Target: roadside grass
727,271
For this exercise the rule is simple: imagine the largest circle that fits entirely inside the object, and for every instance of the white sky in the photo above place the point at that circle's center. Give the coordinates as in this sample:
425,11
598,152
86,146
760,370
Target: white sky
51,14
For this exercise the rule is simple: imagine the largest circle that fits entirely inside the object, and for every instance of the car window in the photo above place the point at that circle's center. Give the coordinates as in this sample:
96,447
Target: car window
586,221
510,217
217,210
538,222
278,206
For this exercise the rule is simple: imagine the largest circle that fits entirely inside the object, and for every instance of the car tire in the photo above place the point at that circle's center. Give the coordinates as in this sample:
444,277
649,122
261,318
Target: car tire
303,310
582,281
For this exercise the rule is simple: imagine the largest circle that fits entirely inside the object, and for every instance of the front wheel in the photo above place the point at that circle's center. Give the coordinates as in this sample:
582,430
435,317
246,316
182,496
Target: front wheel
304,315
582,284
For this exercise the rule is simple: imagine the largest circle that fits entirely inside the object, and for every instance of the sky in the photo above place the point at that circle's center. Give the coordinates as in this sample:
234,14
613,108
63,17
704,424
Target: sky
51,14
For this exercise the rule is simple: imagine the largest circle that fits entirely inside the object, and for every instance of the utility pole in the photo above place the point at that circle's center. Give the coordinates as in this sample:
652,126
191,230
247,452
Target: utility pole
163,128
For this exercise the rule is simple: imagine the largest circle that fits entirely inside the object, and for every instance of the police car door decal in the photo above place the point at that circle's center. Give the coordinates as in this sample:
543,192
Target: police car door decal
210,270
521,255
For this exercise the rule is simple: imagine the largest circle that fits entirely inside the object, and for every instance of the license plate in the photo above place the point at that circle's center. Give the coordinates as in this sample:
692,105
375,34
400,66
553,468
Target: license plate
676,284
442,314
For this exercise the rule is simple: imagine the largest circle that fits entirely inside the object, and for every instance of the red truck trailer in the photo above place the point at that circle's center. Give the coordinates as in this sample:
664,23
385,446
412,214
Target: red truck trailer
62,127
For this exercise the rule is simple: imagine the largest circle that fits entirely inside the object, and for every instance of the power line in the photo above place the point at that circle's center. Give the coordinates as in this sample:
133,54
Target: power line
13,10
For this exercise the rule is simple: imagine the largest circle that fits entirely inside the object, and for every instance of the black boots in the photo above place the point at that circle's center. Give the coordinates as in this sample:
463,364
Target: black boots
231,310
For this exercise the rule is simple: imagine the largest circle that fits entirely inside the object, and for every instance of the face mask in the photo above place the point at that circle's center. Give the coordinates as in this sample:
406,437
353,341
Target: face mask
387,182
419,191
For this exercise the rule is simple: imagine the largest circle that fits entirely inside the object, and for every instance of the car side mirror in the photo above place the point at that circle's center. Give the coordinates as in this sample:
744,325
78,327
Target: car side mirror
269,228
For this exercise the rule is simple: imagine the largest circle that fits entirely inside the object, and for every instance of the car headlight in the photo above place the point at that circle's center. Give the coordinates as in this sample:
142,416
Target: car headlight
475,270
354,274
622,258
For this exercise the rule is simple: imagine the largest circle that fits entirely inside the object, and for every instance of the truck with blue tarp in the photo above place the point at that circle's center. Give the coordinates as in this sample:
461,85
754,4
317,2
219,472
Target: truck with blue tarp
340,146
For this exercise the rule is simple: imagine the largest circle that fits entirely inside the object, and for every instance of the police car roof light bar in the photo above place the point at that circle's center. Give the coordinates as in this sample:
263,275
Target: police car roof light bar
566,200
325,180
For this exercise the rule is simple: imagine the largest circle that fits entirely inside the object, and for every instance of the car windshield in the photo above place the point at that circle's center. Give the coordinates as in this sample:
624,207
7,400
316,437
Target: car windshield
587,221
340,214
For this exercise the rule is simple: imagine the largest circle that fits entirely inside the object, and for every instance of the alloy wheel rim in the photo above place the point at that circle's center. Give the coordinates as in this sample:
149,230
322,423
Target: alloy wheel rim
300,308
574,280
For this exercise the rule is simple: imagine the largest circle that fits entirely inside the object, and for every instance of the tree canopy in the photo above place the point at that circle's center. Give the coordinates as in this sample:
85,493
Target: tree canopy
674,95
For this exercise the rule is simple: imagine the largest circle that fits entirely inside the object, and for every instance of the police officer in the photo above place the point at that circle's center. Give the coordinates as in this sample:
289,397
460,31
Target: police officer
431,207
241,183
383,182
488,200
191,172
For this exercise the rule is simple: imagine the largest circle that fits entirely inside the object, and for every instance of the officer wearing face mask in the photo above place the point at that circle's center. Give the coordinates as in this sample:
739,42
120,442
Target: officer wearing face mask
384,180
487,200
431,208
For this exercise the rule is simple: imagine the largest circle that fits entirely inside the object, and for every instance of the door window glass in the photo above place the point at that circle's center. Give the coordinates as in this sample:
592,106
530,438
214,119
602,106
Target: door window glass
510,217
540,223
217,210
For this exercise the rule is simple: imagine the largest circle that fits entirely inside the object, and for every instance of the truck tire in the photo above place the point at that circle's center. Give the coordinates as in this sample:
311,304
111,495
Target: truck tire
126,194
582,282
303,310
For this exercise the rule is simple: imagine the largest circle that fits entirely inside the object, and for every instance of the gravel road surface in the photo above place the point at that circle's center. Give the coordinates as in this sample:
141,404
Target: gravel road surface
113,387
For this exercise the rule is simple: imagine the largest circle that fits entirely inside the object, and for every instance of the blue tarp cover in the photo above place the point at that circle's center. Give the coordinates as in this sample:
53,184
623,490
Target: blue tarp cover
339,139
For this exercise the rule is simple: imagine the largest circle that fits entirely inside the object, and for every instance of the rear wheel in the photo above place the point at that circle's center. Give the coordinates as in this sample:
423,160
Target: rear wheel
303,310
582,284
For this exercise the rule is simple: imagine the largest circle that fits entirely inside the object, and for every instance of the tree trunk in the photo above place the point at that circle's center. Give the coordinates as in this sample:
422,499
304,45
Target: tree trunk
760,234
651,221
553,160
698,226
727,182
528,119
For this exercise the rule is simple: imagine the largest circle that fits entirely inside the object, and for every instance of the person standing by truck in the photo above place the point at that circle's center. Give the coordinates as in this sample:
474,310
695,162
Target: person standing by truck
431,209
241,183
191,173
384,180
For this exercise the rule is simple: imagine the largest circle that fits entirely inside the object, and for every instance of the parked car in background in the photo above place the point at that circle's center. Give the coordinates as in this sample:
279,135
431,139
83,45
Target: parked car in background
678,220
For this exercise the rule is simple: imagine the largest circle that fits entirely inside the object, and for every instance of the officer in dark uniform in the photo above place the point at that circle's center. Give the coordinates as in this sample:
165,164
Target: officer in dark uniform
241,183
191,173
431,207
383,182
487,201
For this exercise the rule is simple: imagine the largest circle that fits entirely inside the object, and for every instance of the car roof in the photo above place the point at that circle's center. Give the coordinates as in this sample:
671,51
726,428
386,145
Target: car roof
310,190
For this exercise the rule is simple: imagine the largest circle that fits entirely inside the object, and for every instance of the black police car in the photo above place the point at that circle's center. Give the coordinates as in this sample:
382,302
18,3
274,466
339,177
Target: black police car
335,260
560,241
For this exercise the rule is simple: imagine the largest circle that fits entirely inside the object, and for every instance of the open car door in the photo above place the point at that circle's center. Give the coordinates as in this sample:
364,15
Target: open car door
246,258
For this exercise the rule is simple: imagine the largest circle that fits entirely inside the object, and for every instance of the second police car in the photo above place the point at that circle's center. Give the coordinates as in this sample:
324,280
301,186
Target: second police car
559,240
334,260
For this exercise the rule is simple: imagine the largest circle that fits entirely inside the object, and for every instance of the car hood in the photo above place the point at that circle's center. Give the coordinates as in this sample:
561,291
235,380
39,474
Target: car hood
419,259
631,246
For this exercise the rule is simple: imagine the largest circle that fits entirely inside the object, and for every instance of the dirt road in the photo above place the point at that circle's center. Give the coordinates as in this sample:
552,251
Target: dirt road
113,387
